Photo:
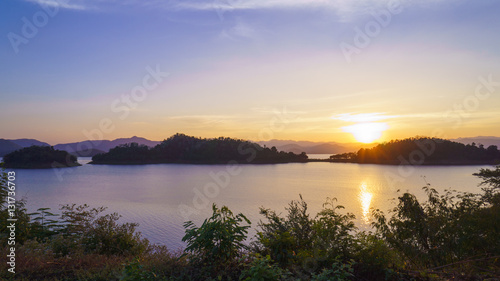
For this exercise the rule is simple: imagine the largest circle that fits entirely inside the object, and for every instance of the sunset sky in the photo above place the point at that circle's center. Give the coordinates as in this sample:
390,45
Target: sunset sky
335,70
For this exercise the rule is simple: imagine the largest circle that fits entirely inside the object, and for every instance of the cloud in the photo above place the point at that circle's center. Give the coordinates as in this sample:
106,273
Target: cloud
363,117
239,30
65,4
221,6
233,5
208,120
344,9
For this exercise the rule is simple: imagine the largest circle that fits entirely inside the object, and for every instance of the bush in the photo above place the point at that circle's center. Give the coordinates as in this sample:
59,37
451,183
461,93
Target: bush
456,232
338,272
375,258
262,269
18,208
333,232
100,234
134,271
219,240
306,244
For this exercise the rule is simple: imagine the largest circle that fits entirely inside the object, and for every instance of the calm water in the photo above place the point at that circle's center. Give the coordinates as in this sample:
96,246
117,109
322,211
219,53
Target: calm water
161,197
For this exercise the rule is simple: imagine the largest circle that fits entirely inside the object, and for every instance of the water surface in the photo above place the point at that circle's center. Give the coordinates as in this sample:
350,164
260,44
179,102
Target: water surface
161,197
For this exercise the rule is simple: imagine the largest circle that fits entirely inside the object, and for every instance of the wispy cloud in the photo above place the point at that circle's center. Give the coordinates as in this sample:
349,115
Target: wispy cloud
222,6
363,117
210,120
344,9
202,119
239,30
64,4
232,5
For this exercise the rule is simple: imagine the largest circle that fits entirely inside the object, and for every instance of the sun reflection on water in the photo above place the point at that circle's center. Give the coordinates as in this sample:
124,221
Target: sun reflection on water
365,197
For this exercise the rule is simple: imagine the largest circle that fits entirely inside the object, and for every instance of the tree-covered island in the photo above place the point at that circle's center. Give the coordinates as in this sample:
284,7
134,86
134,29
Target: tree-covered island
423,151
39,157
181,148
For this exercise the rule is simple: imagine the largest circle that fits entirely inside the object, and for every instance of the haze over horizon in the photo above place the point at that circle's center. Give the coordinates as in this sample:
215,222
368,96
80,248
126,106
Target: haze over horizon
279,142
368,71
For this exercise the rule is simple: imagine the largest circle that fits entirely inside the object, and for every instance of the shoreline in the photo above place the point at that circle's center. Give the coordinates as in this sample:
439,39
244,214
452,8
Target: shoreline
234,162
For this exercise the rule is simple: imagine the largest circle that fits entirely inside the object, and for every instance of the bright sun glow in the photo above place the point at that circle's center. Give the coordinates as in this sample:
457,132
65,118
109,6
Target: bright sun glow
366,132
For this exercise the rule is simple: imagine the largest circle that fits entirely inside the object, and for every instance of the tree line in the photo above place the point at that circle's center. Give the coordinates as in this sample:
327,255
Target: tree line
423,150
181,148
39,157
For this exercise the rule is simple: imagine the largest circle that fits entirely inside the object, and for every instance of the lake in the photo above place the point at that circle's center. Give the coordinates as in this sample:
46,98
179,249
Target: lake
161,197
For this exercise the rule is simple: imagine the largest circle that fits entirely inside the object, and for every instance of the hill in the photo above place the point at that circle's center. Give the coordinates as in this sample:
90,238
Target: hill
181,148
8,146
29,142
485,141
39,157
89,148
427,151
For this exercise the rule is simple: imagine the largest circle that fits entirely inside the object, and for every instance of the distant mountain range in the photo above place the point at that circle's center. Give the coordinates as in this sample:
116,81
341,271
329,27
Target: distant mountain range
310,147
83,148
337,148
486,141
7,146
91,148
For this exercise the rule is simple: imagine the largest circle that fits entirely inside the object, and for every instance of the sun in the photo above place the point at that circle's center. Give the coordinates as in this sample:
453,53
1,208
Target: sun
366,132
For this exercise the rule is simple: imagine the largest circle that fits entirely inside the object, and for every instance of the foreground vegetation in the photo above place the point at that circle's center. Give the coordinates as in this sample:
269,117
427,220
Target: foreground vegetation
180,148
453,236
423,150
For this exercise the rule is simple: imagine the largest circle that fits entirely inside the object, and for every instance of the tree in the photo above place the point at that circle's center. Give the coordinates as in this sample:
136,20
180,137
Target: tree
491,183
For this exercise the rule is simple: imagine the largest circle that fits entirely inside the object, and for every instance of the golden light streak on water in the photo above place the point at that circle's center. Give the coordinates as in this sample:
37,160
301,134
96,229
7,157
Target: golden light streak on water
365,197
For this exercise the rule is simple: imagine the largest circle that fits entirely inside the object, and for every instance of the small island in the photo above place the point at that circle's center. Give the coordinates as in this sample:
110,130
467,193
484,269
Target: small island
39,157
422,151
185,149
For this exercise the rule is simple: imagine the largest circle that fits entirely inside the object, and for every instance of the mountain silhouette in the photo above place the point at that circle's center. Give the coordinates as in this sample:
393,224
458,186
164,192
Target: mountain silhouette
8,146
486,141
93,147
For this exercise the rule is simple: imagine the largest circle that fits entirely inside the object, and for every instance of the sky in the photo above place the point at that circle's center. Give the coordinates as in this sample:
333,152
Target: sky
338,70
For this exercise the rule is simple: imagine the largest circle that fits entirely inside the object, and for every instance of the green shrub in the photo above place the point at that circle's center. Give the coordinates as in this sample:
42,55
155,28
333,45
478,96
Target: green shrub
301,241
338,272
219,240
100,234
333,232
456,232
134,271
375,258
262,269
42,226
283,238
